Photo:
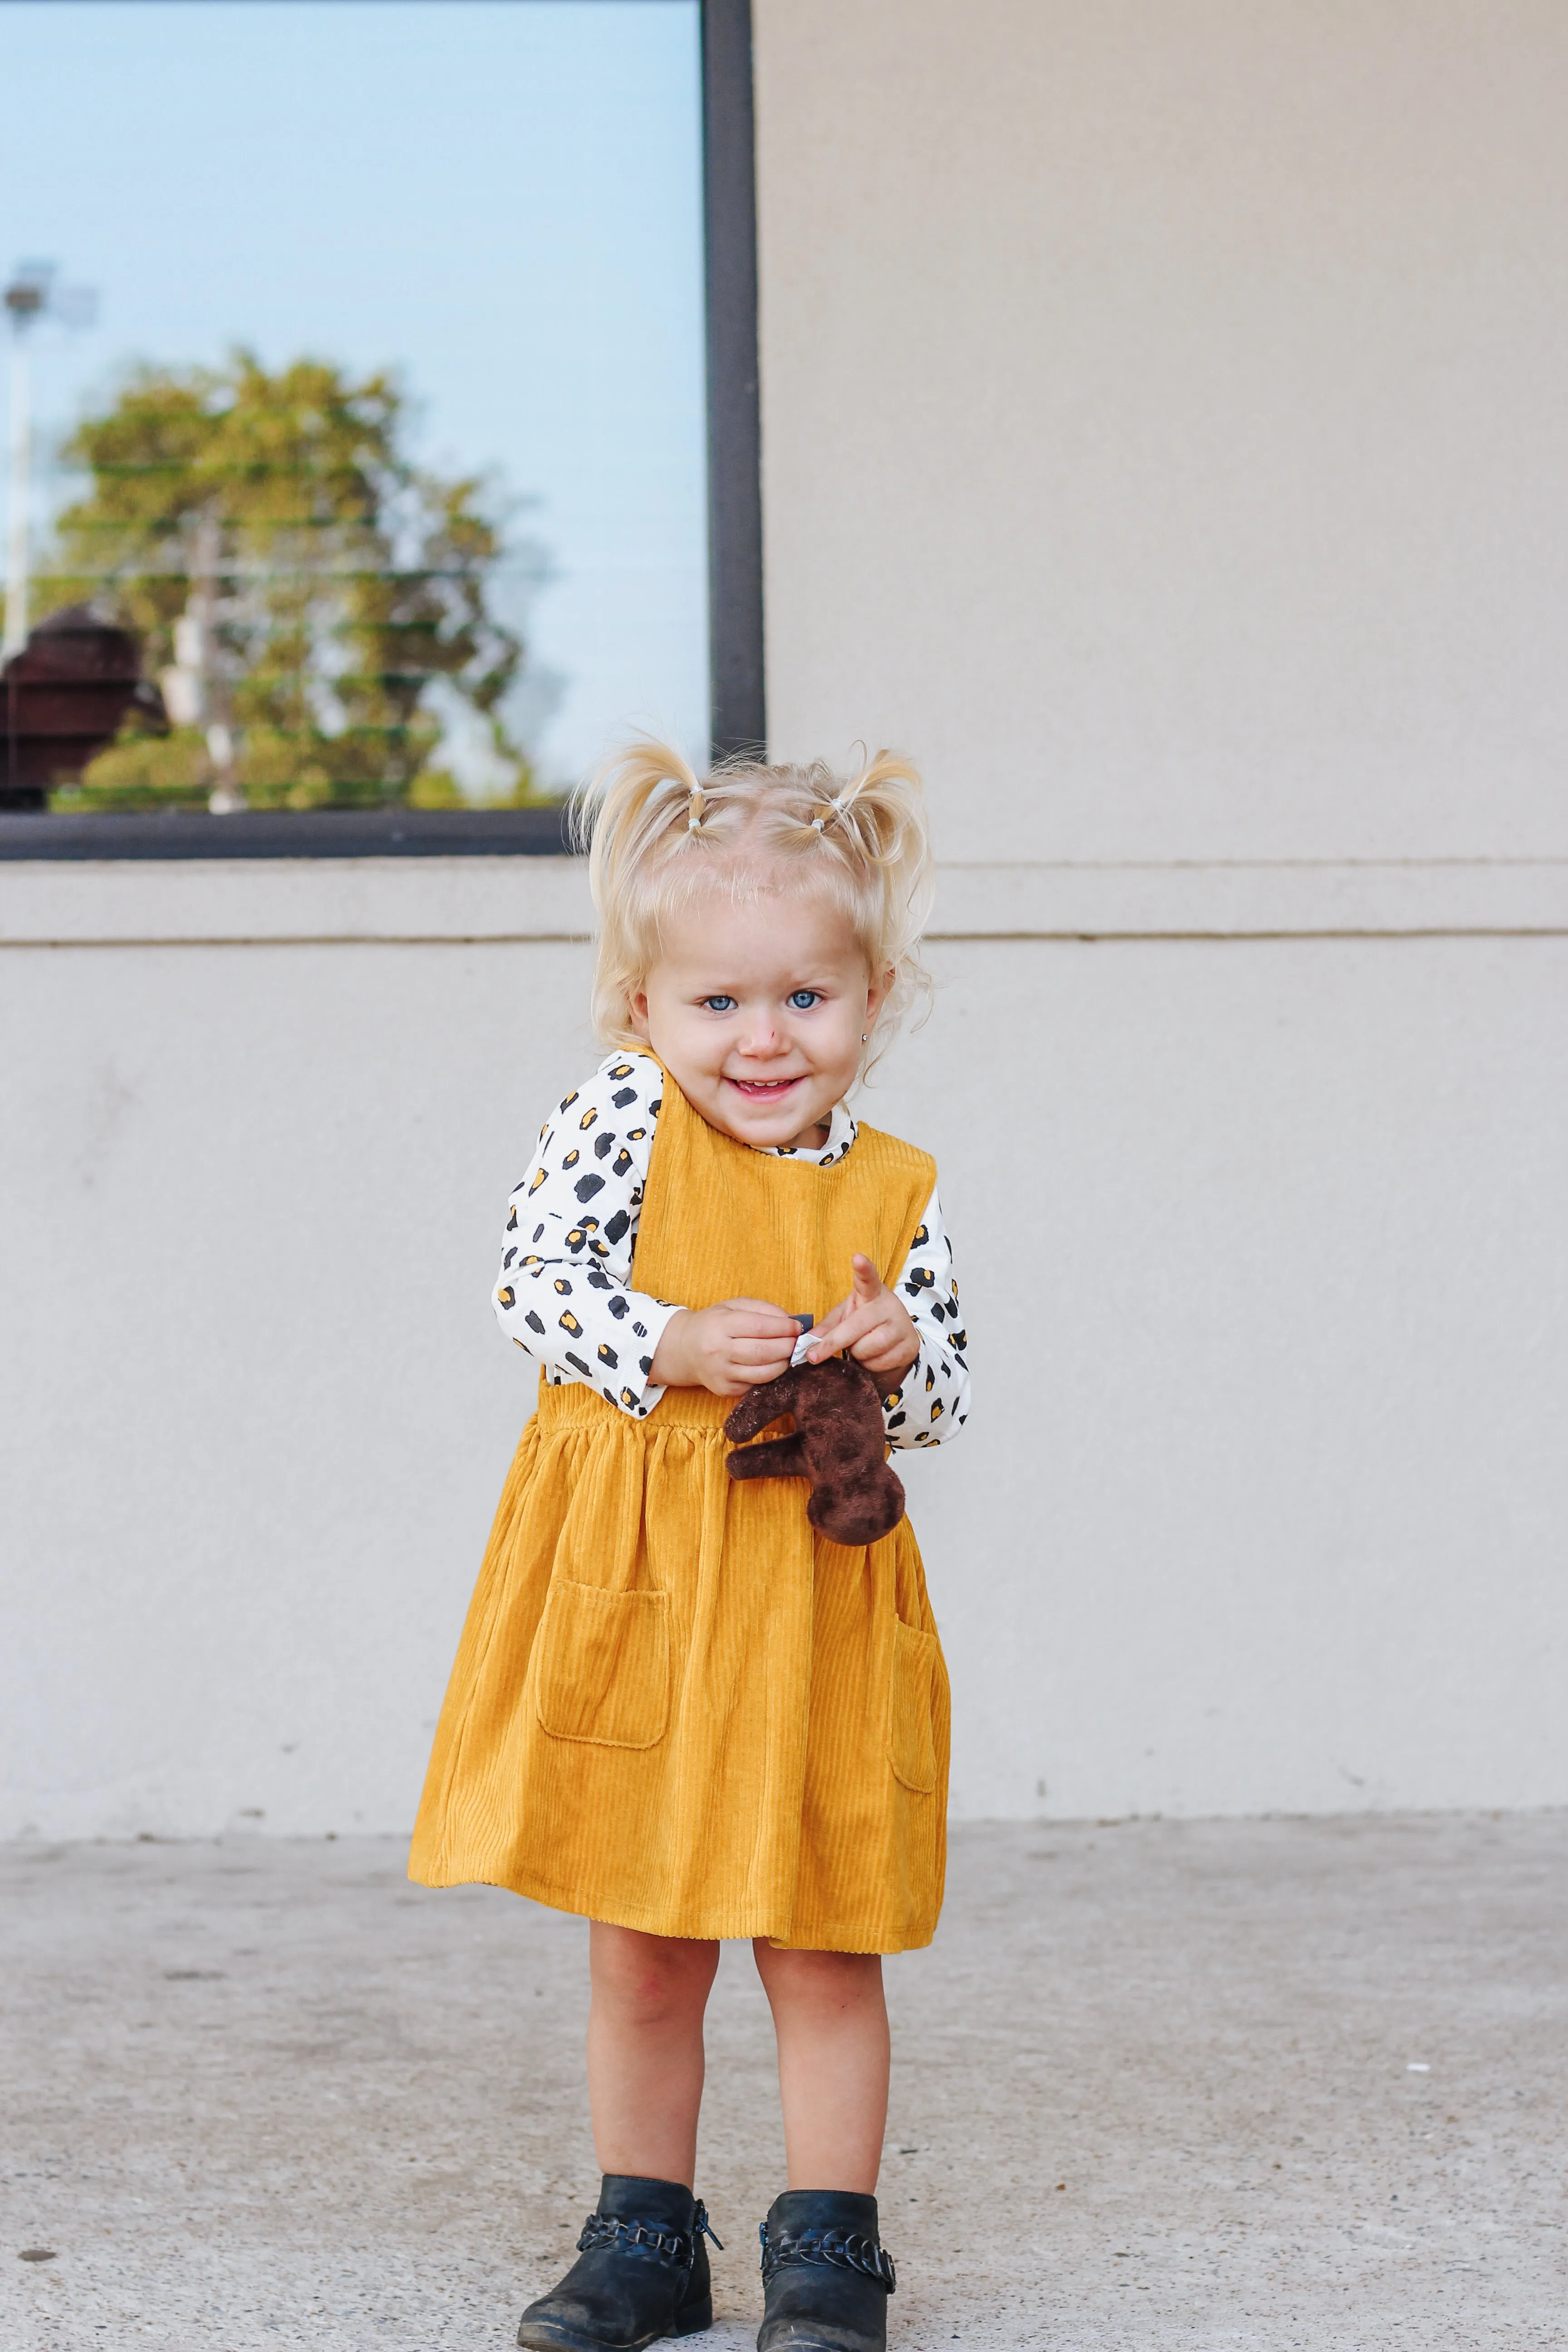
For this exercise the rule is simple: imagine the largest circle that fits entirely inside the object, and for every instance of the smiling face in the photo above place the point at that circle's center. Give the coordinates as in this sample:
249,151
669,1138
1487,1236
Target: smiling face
756,1010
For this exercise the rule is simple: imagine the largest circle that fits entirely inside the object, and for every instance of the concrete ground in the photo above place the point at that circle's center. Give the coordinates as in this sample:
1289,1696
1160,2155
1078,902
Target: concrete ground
1170,2085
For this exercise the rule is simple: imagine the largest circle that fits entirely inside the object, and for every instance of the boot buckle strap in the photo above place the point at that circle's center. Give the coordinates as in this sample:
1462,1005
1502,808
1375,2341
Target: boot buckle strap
837,2249
604,2230
676,2246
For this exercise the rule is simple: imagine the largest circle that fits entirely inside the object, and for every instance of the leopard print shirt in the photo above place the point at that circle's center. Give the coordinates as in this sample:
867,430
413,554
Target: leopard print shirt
565,1296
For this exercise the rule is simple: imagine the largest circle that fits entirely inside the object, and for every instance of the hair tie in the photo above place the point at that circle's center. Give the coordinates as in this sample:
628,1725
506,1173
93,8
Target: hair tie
817,822
694,810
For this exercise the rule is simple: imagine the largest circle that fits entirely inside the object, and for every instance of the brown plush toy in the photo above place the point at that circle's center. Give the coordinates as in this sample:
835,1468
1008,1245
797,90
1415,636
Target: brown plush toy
838,1443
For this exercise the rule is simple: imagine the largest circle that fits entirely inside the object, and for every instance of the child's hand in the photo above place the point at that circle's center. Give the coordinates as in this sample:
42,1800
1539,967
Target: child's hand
728,1348
872,1325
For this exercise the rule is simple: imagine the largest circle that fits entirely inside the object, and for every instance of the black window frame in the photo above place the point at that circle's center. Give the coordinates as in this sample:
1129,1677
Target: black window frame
737,705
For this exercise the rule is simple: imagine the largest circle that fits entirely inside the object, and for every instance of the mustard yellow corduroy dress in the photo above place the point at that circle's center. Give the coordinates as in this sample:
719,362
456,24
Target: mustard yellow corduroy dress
675,1706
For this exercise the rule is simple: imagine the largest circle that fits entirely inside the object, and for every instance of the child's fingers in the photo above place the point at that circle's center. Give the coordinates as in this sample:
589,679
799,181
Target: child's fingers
829,1323
853,1317
867,1281
844,1328
753,1318
826,1338
759,1351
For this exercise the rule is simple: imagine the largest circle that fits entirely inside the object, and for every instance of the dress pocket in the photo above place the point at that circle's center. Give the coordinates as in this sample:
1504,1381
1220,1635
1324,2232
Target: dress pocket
911,1733
602,1670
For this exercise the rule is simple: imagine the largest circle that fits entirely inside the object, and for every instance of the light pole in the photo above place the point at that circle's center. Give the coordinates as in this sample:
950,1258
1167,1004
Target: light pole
24,298
30,296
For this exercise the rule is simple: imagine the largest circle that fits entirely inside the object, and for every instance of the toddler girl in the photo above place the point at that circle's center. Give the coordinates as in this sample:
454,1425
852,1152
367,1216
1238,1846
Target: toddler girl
677,1708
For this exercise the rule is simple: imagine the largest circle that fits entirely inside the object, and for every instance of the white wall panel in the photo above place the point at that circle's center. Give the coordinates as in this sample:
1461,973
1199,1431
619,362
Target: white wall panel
1263,1502
256,1409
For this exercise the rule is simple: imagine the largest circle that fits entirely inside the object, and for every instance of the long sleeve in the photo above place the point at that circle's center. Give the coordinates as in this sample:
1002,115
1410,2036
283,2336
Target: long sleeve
564,1293
931,1401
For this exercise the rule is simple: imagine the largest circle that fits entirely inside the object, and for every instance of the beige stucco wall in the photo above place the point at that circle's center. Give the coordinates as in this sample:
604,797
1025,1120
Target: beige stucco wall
1164,416
1262,1503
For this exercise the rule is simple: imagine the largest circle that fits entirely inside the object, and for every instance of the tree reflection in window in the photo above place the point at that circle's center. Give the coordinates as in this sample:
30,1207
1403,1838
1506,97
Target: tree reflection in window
298,587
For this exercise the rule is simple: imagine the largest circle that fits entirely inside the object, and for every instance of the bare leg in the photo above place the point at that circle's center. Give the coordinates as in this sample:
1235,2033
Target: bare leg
645,2049
832,2025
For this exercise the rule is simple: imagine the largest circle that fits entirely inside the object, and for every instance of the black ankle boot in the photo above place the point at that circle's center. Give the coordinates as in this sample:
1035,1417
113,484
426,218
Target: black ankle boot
641,2273
826,2279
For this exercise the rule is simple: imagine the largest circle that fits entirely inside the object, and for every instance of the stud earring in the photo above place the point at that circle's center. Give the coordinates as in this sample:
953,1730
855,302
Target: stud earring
863,1037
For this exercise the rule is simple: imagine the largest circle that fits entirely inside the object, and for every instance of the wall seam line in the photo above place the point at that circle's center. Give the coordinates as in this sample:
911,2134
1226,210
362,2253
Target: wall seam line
1065,937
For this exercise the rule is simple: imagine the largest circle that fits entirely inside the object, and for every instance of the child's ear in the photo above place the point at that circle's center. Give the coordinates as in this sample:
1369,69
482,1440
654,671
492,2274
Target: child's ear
876,993
636,1006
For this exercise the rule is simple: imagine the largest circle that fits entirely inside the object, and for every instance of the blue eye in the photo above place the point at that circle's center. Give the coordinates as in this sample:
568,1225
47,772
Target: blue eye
803,999
719,1003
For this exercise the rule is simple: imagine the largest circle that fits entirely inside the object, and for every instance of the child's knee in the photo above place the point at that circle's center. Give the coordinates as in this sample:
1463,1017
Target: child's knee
826,1981
650,1980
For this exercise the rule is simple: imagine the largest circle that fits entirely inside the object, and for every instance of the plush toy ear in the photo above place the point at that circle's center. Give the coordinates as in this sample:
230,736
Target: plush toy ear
769,1400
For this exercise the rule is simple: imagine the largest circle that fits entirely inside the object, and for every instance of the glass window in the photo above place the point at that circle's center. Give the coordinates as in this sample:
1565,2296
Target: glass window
356,398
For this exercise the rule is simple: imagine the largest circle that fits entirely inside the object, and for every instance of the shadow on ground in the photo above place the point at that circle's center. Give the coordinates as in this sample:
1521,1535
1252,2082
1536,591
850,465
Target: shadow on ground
1167,2084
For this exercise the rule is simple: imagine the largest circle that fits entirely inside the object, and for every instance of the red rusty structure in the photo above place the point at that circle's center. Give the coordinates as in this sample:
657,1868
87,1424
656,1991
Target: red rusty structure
63,698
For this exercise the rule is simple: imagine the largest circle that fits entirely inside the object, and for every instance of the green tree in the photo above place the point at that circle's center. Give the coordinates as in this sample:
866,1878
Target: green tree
299,584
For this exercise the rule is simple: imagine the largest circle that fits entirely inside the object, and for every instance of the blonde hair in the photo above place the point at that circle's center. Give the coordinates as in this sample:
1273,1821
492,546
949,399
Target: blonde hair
656,836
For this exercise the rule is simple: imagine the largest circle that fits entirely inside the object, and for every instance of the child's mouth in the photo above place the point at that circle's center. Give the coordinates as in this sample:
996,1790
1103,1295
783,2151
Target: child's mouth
762,1089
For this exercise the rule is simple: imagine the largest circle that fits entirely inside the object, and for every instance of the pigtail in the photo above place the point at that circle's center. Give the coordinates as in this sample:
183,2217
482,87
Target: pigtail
873,827
880,808
618,813
628,816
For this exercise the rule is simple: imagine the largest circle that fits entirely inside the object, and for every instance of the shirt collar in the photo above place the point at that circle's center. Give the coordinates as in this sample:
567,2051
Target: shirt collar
842,1130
